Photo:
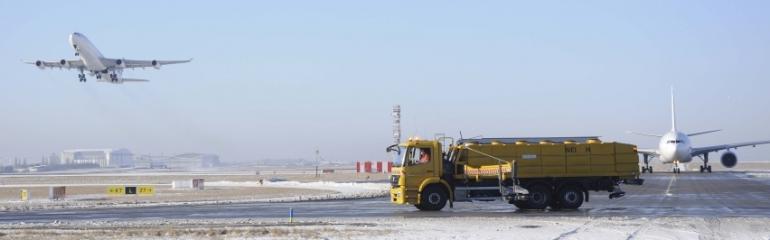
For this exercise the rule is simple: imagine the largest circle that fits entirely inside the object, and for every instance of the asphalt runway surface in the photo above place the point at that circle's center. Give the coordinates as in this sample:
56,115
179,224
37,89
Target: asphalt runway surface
689,194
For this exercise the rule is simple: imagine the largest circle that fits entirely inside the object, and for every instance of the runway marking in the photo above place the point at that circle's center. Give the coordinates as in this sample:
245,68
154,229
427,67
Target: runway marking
670,183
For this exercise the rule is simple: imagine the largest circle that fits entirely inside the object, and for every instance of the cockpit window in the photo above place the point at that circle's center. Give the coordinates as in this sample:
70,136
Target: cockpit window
674,141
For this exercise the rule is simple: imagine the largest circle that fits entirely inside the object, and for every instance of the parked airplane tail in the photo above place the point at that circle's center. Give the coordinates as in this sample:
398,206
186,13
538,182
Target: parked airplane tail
673,111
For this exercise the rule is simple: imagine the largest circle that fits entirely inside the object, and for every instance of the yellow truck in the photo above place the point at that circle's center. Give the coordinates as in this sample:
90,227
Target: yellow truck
530,173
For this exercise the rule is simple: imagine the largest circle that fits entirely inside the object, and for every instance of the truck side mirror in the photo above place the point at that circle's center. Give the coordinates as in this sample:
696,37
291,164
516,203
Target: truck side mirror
393,148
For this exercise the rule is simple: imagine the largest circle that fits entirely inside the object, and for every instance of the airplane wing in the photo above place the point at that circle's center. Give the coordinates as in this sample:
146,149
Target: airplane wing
704,132
704,150
134,80
651,152
128,63
68,64
644,134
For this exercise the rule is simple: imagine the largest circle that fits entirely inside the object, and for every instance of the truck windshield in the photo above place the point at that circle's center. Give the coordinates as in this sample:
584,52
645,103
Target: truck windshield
398,157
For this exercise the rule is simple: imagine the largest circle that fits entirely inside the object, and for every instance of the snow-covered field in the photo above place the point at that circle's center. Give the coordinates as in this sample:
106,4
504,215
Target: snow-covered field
224,192
346,190
514,227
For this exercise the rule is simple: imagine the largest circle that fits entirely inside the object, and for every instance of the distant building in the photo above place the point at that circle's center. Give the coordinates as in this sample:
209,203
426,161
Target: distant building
181,161
192,160
102,157
53,160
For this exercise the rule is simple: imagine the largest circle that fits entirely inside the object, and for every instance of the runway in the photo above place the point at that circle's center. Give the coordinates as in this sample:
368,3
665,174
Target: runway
719,194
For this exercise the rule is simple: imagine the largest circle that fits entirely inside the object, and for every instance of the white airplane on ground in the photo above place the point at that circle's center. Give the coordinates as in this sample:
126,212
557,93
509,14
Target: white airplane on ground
675,148
92,62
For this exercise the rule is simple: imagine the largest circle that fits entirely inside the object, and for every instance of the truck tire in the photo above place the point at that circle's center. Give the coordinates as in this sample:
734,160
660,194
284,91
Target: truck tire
432,198
570,197
540,197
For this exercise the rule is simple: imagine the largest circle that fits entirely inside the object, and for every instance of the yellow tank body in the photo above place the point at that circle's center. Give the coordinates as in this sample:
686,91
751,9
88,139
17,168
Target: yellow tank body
537,160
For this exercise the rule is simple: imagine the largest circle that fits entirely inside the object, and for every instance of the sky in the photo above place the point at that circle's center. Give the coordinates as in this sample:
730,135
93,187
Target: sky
280,79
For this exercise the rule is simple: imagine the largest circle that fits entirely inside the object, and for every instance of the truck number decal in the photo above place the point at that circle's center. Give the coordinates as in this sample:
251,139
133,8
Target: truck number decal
570,149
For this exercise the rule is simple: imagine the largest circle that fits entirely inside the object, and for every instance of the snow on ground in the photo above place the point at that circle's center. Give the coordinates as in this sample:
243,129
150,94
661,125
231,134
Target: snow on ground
758,174
513,227
346,190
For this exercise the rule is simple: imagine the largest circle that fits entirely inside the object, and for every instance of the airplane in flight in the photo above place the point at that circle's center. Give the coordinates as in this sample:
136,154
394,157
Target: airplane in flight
92,61
675,148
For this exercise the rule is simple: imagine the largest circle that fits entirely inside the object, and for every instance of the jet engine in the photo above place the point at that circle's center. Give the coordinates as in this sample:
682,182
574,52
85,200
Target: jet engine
64,63
120,63
729,159
155,64
39,64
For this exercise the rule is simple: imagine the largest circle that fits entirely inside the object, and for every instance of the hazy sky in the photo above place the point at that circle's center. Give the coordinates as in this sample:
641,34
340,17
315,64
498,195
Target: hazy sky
278,79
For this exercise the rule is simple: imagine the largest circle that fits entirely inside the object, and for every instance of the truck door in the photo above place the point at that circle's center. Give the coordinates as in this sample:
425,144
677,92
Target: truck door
421,165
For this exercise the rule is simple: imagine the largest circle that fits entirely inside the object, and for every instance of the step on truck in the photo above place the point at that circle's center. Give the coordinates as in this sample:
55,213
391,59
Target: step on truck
530,173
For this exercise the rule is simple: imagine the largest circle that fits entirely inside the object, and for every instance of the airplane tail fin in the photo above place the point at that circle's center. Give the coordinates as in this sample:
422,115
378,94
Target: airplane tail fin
673,111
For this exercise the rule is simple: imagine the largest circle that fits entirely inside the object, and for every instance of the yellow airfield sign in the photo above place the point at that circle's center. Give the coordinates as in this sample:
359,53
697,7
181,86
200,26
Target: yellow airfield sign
142,190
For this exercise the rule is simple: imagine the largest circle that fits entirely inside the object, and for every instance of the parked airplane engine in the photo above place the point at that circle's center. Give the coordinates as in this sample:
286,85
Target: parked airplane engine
121,63
64,63
39,64
155,64
729,159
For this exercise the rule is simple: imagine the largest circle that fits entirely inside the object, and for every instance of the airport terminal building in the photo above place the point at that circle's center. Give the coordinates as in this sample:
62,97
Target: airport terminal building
181,161
103,157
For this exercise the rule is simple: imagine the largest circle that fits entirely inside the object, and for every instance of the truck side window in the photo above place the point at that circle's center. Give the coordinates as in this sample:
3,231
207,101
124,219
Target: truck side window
424,156
416,156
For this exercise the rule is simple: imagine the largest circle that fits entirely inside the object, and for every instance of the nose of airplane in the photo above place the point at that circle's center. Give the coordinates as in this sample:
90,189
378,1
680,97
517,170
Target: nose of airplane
74,38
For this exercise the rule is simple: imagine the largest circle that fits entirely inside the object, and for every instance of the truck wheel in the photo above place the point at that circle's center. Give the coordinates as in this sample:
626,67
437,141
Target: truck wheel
539,197
570,197
432,198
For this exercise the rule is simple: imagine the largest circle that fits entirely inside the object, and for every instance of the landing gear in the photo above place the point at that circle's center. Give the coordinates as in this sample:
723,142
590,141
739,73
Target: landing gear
677,170
98,76
706,167
114,77
82,77
647,167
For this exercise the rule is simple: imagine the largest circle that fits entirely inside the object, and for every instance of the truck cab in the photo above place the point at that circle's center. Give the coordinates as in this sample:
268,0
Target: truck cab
417,177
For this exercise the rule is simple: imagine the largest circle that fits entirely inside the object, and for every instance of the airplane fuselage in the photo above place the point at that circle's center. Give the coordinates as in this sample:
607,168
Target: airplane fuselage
87,52
675,147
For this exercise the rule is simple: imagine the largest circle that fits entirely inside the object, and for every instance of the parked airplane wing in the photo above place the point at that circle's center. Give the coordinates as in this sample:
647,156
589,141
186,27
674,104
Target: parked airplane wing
644,134
704,132
651,152
68,64
134,80
704,150
128,63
